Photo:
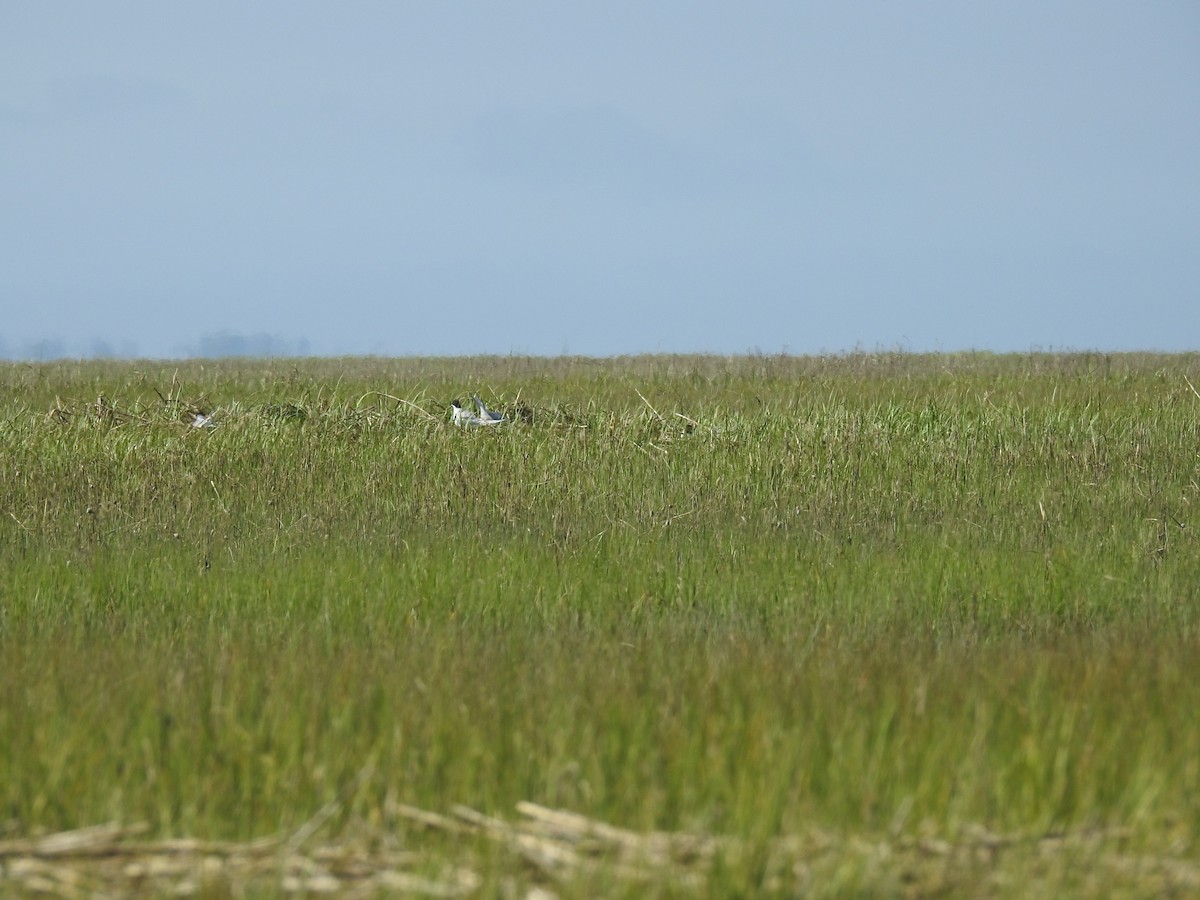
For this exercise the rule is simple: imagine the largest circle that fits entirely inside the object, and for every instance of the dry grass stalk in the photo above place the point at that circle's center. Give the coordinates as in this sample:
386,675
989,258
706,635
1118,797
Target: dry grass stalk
106,860
101,861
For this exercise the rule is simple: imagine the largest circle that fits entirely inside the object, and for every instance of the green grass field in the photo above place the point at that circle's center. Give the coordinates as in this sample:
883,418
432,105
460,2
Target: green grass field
873,624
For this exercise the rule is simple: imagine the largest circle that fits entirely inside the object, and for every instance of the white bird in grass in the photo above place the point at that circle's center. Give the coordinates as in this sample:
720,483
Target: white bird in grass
463,418
487,416
460,416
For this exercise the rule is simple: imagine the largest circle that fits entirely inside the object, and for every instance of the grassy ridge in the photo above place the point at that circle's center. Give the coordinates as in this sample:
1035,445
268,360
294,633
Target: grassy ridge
876,594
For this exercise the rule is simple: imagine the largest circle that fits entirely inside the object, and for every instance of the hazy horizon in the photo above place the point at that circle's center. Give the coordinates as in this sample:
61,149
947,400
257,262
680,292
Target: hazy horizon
228,345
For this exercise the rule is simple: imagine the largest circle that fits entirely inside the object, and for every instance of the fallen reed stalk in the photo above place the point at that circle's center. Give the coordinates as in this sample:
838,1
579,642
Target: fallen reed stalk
572,851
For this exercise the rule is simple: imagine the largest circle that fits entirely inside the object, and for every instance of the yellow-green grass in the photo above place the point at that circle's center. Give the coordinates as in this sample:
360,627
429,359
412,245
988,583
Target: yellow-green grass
880,596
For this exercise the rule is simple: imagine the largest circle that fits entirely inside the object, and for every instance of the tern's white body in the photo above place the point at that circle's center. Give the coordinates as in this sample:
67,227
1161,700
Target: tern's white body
464,419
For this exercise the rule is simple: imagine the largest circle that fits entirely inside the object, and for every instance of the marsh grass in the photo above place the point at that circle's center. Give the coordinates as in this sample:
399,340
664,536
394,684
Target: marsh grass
882,597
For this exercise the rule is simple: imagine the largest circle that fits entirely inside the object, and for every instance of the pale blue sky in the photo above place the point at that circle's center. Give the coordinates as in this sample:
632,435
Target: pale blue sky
598,177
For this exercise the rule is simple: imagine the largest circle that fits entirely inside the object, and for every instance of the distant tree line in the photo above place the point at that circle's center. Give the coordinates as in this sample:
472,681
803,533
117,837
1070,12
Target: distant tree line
213,344
227,343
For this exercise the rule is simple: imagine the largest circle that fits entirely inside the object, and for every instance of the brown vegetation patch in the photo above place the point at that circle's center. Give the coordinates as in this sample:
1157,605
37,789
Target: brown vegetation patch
557,852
